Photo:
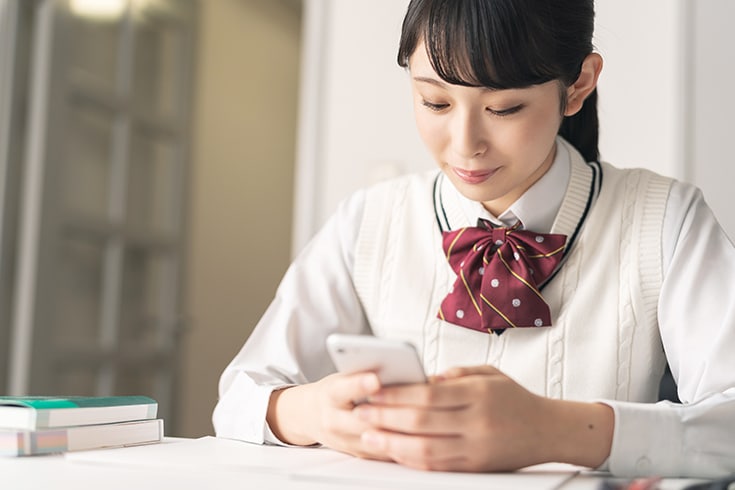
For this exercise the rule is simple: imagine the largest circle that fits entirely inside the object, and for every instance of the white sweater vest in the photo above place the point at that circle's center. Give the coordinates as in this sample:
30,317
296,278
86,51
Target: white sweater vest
604,342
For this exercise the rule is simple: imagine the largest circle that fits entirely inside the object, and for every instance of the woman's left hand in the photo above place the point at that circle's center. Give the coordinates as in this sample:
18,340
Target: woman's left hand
478,419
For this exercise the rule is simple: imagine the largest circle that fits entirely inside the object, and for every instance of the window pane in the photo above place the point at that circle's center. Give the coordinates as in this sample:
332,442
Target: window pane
158,58
93,45
152,183
147,301
77,292
85,185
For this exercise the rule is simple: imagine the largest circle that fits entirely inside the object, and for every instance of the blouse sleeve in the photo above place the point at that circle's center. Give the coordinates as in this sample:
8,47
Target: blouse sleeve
697,323
316,297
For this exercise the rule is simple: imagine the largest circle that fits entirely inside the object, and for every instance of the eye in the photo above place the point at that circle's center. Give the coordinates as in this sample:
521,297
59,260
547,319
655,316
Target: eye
505,112
434,107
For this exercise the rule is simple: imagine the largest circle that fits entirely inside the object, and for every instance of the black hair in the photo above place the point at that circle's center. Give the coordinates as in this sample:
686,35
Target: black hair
502,44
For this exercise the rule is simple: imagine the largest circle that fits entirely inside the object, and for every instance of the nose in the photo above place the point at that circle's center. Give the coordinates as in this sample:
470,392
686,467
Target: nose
468,135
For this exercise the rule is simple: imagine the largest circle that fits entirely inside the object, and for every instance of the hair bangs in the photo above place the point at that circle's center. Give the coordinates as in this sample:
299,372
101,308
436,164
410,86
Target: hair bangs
482,44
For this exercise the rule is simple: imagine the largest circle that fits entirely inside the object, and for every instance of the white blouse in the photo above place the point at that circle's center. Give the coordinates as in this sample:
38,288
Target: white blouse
696,317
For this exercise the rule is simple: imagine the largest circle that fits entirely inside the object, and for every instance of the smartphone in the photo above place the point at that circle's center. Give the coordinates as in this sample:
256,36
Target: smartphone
394,361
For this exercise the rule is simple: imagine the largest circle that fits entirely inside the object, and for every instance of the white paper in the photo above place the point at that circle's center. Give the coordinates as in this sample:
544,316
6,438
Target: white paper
213,453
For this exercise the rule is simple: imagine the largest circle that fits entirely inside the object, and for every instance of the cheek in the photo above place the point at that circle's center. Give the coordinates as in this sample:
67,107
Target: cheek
539,131
430,129
550,118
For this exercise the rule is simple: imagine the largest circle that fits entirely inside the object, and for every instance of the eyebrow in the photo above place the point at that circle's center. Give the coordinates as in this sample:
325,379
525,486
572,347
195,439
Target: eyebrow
432,81
441,84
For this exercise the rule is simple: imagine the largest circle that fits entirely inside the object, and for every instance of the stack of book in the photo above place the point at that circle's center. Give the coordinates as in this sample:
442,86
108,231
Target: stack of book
32,425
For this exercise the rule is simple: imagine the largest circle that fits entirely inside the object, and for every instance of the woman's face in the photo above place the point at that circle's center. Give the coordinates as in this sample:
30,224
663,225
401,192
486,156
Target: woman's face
492,144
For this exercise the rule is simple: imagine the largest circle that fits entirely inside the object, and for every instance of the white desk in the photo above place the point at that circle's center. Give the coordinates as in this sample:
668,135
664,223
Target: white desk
210,463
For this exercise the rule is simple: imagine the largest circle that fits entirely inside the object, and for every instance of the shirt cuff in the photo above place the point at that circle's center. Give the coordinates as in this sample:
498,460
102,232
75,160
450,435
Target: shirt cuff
647,440
241,411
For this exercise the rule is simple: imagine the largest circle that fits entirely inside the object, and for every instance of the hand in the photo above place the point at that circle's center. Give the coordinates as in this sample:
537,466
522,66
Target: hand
478,419
322,412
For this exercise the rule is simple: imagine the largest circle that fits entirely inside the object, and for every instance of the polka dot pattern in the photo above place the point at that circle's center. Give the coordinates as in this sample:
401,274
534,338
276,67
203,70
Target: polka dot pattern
499,271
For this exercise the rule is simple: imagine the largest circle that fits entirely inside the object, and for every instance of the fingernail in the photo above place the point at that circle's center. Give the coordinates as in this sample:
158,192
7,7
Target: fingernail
373,440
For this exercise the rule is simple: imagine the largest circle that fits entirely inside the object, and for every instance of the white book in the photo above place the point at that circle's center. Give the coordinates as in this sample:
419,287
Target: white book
83,437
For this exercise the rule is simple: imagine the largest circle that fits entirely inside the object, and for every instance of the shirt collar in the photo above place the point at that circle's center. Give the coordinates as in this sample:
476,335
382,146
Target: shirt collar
538,206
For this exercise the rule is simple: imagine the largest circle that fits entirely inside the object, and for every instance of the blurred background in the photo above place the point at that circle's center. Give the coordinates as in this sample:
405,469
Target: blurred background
161,161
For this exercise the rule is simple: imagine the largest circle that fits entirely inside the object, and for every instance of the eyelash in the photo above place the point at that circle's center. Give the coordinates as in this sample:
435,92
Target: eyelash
504,113
434,107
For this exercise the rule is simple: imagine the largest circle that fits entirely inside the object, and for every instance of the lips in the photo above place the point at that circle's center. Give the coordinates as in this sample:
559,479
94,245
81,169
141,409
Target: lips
473,176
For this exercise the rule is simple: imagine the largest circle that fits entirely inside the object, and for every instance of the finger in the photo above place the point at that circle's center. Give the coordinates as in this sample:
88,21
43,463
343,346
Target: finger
461,371
342,430
448,394
432,452
352,444
345,390
343,423
412,420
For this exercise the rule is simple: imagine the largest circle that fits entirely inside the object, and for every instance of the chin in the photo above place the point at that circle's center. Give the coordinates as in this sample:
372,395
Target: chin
478,192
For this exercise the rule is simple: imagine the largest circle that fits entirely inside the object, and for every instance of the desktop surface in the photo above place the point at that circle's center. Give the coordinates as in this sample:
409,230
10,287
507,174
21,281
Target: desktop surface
214,463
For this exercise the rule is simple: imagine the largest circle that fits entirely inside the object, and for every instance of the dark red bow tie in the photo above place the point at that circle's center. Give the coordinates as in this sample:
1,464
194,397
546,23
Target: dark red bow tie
499,272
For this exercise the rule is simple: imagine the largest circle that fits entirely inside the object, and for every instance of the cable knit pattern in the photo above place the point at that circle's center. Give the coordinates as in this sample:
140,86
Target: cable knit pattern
572,207
387,266
627,325
555,369
432,325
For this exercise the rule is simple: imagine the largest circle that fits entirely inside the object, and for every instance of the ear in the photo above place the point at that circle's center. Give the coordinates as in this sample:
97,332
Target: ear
584,85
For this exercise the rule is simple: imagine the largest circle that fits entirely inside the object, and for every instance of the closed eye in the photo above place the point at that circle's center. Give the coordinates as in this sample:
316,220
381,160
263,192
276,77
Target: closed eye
505,112
434,107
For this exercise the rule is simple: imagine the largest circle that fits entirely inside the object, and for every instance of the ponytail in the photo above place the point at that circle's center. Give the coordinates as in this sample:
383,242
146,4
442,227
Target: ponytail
582,130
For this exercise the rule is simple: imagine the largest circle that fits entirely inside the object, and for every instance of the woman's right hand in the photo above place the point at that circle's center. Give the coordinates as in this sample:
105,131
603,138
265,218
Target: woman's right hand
322,412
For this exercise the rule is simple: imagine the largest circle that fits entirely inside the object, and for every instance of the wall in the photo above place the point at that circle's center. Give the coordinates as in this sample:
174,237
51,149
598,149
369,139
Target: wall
712,105
242,178
361,125
641,88
666,97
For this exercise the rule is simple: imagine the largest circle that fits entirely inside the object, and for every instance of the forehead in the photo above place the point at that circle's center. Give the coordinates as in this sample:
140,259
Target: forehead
419,63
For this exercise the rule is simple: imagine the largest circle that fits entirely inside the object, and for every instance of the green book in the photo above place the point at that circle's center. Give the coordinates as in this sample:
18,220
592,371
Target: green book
79,438
41,412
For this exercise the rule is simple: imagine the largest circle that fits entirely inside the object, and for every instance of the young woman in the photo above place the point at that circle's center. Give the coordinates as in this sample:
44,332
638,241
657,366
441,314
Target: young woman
544,290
